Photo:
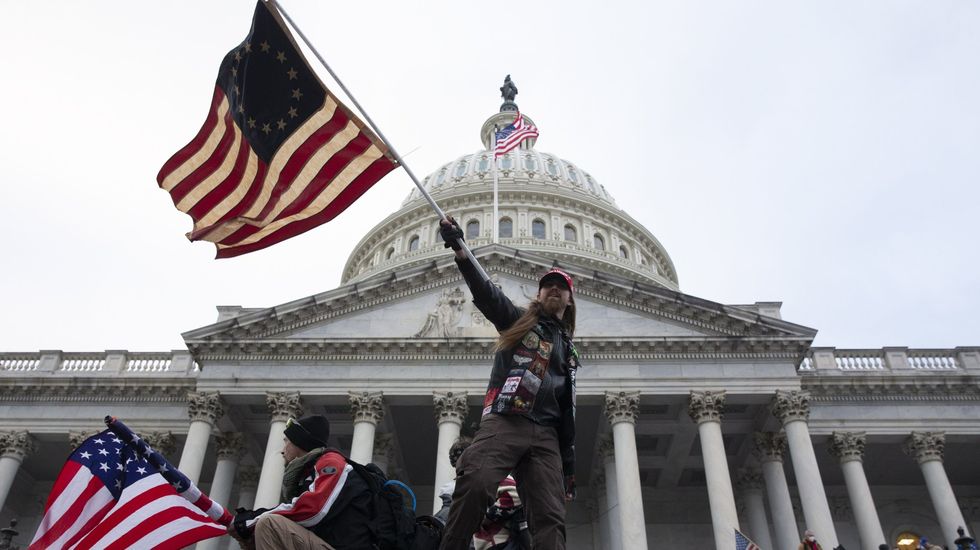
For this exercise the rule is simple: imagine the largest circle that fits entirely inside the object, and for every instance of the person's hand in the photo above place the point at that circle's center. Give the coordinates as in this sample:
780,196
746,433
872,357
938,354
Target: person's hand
451,233
570,488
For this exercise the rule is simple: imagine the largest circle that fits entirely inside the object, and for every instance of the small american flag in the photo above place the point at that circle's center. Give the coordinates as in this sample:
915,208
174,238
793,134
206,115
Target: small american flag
278,154
743,543
108,496
512,135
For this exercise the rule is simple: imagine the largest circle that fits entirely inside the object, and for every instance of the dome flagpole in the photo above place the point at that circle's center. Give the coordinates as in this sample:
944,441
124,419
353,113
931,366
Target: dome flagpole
496,217
381,136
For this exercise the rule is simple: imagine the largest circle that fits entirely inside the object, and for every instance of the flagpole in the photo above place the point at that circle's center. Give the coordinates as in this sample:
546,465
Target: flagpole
496,223
391,148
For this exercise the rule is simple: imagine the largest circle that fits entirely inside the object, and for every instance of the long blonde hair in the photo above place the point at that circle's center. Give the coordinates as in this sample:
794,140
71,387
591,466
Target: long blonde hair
510,337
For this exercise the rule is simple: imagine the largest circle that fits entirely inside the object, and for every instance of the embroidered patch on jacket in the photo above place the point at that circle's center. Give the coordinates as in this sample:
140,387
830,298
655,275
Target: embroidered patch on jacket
531,383
544,350
521,360
510,385
531,340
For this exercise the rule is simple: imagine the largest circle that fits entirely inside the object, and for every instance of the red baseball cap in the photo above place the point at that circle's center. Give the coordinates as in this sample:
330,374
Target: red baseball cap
559,275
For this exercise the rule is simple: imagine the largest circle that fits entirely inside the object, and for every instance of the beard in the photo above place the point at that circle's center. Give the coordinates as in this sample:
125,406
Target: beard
551,305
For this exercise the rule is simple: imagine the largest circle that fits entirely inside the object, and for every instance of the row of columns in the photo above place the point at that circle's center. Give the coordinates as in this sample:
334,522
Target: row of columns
620,502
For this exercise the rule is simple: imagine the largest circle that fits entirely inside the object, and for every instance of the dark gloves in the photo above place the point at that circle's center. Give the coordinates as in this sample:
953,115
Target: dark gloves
570,487
450,232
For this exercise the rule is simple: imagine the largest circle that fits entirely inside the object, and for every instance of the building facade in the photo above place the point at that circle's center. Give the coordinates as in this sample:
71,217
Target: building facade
695,418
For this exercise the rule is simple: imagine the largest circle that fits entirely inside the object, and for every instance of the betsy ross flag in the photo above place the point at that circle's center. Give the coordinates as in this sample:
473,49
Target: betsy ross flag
512,135
278,154
743,543
109,496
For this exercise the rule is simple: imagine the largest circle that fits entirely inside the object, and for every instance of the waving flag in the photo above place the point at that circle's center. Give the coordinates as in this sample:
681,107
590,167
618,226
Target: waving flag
108,496
278,154
743,543
512,135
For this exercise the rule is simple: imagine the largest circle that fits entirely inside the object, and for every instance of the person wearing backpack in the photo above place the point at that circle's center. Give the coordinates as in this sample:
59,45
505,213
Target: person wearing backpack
528,422
326,504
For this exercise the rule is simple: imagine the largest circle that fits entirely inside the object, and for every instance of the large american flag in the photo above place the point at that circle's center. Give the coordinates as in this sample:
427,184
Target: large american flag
108,496
513,134
743,543
278,154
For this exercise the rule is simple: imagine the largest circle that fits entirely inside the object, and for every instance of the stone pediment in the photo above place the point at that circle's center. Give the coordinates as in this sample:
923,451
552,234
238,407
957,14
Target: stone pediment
431,303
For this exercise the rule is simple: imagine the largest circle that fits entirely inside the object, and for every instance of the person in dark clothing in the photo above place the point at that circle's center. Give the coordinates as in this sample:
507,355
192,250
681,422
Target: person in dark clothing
528,423
324,503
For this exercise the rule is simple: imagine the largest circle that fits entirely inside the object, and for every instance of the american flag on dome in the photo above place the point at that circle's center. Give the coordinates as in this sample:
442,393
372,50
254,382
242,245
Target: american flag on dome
278,154
512,135
743,543
108,495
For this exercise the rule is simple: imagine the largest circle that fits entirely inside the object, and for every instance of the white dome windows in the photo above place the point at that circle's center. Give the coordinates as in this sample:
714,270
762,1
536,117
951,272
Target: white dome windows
472,229
506,228
483,165
571,234
530,164
506,162
538,229
598,242
413,243
551,168
623,252
390,253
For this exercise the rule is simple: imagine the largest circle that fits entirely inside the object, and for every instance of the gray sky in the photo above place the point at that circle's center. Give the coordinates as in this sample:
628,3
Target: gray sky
822,154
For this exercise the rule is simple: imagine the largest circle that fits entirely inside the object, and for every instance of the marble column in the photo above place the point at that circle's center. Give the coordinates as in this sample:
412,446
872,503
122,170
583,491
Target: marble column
621,410
792,408
248,481
450,412
927,448
162,442
607,451
230,448
705,409
383,448
770,448
248,478
204,409
848,447
367,409
14,447
282,406
600,526
748,483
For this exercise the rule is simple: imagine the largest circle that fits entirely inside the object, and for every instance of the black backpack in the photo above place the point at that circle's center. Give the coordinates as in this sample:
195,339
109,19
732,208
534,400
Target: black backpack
393,522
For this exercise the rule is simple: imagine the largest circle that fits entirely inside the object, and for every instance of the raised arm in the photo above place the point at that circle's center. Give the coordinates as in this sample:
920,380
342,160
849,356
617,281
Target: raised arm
489,299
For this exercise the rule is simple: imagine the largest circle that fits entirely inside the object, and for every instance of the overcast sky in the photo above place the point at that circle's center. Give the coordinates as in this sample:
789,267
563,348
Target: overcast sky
822,154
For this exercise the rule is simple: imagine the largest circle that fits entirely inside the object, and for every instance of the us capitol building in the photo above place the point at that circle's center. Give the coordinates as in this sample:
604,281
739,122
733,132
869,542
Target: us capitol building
695,418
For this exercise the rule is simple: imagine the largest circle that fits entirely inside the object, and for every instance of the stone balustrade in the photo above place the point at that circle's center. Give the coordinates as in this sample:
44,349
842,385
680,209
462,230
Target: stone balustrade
107,363
961,360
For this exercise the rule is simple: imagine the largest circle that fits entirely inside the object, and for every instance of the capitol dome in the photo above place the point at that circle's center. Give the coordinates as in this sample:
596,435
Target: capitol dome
547,205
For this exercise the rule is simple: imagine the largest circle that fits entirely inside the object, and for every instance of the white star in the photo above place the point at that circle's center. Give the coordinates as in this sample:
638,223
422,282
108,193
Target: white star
103,452
100,442
85,454
118,484
116,440
104,467
176,485
162,468
120,467
141,470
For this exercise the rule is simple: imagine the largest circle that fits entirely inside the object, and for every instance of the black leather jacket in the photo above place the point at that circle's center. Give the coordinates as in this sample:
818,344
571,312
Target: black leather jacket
535,378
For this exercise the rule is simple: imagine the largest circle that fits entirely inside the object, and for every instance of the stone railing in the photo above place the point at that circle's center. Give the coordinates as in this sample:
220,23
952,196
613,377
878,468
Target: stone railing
107,363
964,360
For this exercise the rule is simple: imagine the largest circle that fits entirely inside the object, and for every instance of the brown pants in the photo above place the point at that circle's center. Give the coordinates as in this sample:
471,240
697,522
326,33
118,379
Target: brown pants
507,444
273,531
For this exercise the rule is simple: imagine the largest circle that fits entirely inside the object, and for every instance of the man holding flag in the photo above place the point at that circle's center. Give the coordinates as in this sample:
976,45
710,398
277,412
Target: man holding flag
528,424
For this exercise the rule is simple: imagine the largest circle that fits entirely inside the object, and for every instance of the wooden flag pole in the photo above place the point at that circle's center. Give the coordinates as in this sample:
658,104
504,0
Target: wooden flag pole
367,118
